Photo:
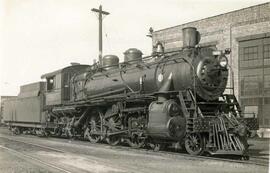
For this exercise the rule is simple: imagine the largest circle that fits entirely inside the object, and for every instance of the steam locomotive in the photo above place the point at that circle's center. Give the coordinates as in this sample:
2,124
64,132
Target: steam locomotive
166,99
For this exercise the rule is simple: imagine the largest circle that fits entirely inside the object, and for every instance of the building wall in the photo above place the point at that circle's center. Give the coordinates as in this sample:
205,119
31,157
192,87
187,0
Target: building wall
225,31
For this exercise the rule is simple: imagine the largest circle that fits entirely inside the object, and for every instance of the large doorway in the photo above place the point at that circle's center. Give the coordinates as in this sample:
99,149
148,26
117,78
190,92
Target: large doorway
254,75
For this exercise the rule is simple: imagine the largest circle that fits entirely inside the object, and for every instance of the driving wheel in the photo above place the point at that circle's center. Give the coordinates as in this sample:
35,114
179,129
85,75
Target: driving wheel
135,141
114,126
194,144
94,127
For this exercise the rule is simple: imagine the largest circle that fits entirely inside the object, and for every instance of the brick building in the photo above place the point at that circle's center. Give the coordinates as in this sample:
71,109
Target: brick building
247,33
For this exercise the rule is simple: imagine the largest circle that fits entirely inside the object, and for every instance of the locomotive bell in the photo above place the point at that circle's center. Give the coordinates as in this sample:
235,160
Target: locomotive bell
132,55
110,62
191,37
160,48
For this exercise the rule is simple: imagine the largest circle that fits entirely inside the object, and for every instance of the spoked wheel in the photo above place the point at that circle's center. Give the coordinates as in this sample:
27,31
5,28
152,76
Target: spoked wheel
113,140
157,146
70,133
93,128
114,125
135,141
194,144
58,132
16,130
42,133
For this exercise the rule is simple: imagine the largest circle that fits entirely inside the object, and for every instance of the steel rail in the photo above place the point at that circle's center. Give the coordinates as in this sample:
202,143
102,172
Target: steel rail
171,153
37,145
24,156
134,169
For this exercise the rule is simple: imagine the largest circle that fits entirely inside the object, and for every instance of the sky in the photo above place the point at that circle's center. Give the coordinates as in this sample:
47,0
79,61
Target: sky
41,36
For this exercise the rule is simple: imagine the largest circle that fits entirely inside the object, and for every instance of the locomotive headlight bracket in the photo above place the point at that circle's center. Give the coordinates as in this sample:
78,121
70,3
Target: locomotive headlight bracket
223,61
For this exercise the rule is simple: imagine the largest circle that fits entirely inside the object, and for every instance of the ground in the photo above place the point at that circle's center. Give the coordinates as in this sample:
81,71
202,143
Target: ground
64,155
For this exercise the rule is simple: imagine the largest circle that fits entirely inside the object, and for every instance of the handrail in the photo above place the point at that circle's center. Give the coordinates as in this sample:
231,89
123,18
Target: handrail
124,82
232,78
194,84
134,61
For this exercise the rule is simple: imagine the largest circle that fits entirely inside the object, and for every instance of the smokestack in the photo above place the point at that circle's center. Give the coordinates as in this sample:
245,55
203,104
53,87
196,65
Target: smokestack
191,37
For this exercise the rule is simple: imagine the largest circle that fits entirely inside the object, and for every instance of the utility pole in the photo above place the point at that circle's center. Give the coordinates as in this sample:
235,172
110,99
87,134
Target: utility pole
100,15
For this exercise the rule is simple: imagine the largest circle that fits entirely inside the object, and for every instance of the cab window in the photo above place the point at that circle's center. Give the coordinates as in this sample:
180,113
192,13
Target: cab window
50,83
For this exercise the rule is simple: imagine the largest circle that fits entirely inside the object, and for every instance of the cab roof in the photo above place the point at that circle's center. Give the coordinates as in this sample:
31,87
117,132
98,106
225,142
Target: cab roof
68,68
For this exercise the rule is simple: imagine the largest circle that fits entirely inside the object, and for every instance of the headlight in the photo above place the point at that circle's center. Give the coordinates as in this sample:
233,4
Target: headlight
216,53
223,61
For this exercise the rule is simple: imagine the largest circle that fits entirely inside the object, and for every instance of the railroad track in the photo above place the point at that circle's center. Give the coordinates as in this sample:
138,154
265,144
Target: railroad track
253,160
24,156
27,157
259,163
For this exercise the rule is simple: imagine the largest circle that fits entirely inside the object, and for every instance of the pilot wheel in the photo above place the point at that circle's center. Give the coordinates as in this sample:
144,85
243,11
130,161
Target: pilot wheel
194,144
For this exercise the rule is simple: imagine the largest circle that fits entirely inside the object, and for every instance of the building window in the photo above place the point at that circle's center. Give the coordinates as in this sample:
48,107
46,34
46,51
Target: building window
266,51
250,53
254,73
266,80
266,54
266,121
267,100
249,57
267,83
250,85
250,111
252,101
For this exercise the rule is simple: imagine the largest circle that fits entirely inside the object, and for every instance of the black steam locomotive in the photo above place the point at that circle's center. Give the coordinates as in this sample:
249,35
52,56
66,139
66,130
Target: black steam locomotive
166,99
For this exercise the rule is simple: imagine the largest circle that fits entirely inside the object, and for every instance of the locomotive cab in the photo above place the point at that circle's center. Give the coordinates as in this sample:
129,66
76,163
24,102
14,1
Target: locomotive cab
58,84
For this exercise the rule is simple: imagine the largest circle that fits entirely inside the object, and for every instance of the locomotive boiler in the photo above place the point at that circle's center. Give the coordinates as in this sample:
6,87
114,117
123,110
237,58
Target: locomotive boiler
162,100
197,69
